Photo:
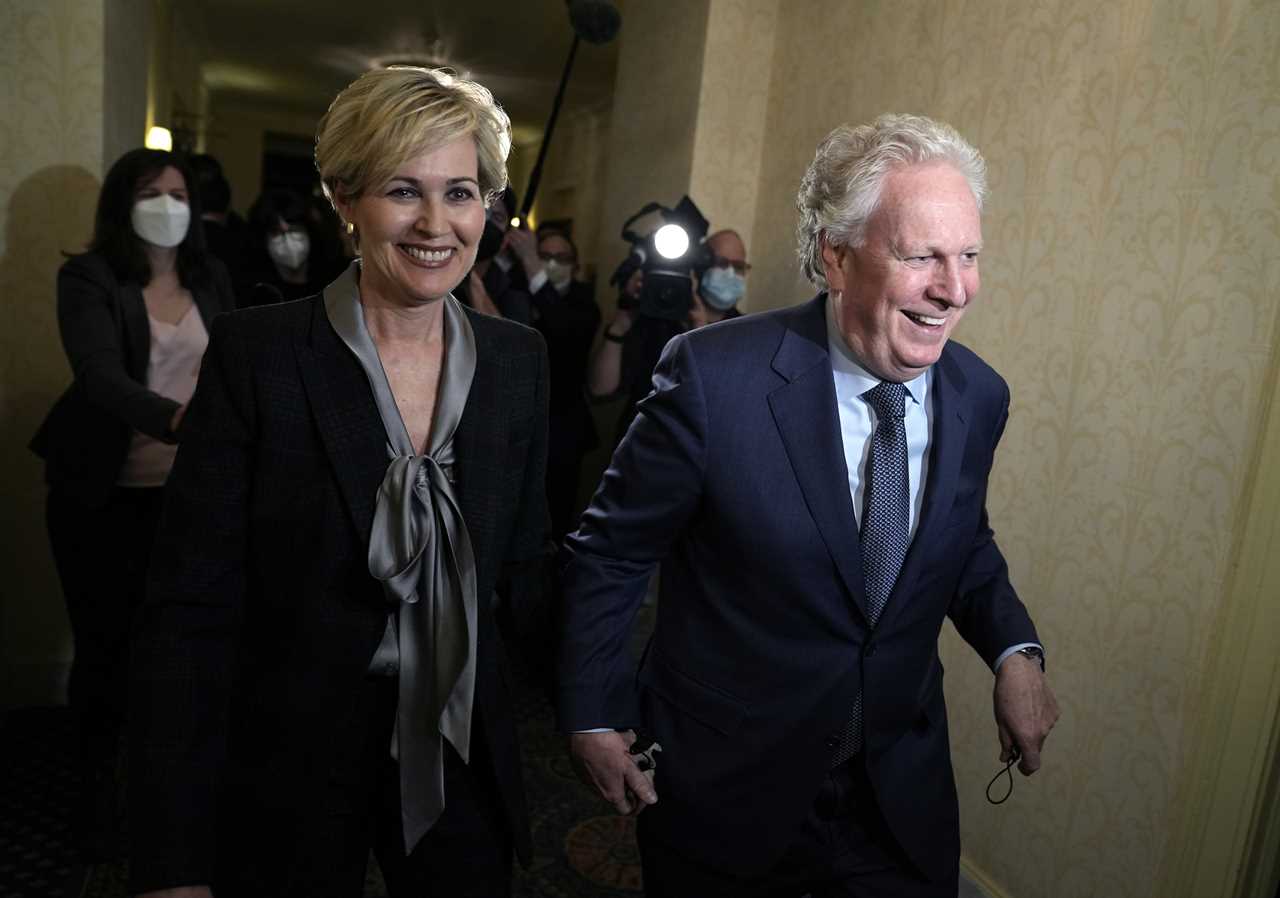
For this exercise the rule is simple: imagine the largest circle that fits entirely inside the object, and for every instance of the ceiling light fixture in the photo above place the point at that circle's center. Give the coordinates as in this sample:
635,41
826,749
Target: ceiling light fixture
159,139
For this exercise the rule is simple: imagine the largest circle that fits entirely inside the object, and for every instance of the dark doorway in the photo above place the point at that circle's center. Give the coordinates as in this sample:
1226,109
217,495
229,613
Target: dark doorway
288,163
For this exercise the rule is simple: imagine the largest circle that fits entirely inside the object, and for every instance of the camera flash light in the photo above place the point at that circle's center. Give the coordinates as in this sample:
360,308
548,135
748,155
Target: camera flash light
671,241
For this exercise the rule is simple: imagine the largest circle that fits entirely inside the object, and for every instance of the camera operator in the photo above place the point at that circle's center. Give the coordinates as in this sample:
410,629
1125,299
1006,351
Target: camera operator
625,357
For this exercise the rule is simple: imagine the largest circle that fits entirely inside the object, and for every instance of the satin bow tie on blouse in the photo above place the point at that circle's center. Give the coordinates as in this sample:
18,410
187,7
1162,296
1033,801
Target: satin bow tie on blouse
420,550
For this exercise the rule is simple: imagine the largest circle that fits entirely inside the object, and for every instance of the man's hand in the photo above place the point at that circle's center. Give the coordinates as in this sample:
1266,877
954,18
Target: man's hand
524,246
602,760
180,892
1025,711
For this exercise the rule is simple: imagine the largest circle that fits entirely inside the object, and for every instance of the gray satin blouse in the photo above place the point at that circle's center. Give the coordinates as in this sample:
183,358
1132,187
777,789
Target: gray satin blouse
420,550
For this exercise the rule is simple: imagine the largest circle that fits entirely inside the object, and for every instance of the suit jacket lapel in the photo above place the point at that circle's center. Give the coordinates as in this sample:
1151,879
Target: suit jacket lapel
950,431
804,410
345,414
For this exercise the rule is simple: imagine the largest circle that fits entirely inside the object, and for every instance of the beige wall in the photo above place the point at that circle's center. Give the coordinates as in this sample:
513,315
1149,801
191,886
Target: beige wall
689,116
51,146
732,103
128,25
235,134
573,180
1133,252
654,119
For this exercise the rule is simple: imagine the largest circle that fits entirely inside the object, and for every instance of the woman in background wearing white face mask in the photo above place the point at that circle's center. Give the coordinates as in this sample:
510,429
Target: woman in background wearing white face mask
289,254
133,313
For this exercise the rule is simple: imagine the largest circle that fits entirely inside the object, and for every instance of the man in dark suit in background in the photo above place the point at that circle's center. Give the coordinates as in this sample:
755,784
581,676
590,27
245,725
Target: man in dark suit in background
566,314
814,482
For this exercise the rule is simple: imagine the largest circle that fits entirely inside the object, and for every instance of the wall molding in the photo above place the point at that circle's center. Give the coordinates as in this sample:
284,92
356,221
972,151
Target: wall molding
980,878
1227,838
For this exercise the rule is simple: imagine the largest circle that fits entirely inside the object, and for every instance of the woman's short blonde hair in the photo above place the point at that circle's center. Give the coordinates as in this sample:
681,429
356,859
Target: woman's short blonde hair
843,184
388,116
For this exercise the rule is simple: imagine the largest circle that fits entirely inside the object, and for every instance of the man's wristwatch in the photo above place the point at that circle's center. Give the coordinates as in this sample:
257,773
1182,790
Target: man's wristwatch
1035,653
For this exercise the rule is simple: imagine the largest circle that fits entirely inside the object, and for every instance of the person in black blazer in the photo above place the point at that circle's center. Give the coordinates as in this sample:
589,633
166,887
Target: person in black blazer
566,314
290,250
355,518
132,313
812,541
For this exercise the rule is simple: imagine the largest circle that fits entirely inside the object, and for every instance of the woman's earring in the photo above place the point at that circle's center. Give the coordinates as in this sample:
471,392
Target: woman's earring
351,229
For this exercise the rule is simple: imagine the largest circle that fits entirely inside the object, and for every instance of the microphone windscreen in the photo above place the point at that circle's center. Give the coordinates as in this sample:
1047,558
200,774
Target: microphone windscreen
595,21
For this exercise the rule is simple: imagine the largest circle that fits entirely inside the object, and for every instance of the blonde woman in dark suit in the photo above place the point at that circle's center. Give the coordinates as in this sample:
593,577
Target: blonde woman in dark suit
133,313
358,501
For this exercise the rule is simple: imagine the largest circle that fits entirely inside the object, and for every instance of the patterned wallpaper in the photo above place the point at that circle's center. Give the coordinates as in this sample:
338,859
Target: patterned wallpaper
1130,298
51,89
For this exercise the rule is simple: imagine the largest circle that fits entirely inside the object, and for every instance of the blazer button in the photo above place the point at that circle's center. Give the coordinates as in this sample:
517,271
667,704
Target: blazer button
869,649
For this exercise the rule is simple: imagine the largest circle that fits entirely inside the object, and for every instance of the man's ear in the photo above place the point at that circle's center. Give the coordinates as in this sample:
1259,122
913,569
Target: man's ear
833,260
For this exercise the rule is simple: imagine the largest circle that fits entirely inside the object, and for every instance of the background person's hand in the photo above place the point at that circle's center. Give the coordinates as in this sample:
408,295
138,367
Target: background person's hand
524,246
1026,711
603,760
620,326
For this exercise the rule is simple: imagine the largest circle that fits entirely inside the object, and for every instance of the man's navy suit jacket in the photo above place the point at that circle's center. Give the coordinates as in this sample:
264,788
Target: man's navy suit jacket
733,476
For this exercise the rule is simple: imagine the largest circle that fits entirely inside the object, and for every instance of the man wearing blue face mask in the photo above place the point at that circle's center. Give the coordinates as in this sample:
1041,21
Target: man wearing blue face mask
722,284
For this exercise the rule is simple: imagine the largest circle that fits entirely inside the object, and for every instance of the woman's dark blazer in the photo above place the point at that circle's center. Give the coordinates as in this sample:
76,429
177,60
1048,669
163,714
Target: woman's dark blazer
261,617
107,338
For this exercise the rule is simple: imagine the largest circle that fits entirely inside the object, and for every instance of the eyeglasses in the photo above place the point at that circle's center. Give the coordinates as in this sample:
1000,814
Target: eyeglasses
739,265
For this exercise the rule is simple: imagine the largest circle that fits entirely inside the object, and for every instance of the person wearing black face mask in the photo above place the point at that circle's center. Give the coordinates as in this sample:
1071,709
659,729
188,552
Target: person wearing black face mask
491,287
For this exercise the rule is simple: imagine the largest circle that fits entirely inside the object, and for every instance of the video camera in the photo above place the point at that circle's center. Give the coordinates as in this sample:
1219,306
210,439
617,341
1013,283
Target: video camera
667,256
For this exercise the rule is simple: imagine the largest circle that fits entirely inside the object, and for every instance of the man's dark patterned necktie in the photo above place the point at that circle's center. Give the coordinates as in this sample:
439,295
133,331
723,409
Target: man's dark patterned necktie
886,524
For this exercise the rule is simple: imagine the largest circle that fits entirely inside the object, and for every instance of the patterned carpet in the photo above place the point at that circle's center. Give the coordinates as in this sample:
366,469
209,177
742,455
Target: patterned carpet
581,849
37,787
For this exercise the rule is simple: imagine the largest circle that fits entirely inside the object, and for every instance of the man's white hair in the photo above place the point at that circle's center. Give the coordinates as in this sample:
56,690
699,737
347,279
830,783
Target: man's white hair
842,186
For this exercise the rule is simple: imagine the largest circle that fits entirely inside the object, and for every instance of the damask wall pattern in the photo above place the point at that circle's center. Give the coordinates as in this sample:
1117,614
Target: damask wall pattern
51,91
1130,298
